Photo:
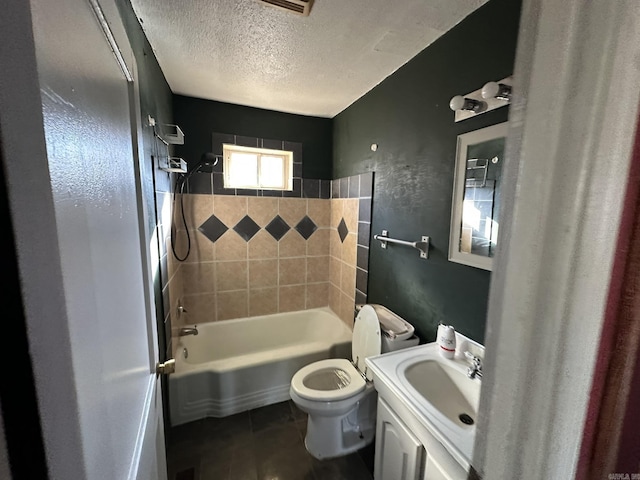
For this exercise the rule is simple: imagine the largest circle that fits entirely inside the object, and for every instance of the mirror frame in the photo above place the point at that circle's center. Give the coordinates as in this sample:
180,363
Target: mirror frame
464,140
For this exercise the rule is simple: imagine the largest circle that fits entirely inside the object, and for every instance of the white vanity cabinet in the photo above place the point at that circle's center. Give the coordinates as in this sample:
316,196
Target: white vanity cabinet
427,409
400,455
398,451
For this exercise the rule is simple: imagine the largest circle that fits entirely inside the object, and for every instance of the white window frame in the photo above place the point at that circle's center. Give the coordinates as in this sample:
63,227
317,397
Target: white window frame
287,168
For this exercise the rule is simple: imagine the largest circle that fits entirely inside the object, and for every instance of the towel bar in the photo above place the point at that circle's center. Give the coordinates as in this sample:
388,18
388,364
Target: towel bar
422,245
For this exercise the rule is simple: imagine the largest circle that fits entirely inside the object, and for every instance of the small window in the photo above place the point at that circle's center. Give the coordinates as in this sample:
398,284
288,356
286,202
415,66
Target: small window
257,168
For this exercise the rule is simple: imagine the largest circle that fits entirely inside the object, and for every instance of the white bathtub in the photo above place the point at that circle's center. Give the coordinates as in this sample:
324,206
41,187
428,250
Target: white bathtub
237,365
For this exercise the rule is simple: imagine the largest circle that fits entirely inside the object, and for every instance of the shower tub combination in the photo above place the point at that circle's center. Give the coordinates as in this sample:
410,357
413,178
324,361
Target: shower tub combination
237,365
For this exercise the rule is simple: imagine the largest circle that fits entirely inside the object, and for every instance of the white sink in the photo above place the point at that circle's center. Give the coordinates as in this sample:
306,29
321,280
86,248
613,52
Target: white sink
436,391
446,388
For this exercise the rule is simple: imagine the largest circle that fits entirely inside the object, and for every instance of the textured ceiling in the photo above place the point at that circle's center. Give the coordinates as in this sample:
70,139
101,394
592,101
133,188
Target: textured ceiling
249,53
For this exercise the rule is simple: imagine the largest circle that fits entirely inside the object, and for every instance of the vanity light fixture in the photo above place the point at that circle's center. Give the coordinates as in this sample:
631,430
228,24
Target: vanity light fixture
491,96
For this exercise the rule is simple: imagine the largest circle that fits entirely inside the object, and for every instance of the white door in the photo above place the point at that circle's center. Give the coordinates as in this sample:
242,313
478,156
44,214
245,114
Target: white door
110,424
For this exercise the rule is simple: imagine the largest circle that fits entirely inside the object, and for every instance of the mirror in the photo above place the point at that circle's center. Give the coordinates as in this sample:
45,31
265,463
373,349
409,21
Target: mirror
475,211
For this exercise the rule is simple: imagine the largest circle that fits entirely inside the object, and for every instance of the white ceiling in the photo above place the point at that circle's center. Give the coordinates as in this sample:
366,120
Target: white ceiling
249,53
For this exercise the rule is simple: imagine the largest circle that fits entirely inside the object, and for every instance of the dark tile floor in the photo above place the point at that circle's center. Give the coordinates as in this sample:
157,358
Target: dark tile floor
262,444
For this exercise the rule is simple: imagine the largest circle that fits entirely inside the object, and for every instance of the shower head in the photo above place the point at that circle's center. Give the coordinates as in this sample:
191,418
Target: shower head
207,159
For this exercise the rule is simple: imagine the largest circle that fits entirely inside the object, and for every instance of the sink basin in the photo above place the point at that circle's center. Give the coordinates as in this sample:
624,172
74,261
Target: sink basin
436,391
448,389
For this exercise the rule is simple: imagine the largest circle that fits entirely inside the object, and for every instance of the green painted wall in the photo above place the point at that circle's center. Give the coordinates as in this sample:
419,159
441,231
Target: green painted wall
199,119
408,116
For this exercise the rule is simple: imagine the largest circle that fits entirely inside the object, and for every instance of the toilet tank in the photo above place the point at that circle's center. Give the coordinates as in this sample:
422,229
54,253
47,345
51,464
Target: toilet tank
397,333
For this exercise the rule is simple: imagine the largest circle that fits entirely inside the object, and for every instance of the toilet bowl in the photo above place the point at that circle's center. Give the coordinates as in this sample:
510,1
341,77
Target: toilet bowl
338,394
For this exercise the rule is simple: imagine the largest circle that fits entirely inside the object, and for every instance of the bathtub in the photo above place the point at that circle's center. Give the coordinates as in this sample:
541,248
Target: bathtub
236,365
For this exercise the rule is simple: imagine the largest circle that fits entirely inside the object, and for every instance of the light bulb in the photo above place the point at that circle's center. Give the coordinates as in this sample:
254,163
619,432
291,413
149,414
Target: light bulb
496,90
462,103
490,90
457,103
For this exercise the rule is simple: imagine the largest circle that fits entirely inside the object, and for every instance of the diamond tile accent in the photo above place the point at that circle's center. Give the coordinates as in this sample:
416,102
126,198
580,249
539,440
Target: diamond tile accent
277,227
306,227
247,228
342,230
213,228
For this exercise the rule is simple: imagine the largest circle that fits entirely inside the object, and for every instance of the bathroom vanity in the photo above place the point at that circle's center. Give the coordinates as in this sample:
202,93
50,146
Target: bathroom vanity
427,412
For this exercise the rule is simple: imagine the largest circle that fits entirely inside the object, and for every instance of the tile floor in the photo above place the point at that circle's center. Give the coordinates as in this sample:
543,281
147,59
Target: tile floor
262,444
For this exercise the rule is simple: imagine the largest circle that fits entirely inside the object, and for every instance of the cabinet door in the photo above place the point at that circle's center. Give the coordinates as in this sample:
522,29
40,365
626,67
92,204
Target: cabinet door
398,452
433,471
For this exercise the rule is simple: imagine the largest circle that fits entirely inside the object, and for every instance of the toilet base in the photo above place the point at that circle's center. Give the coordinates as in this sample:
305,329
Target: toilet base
330,437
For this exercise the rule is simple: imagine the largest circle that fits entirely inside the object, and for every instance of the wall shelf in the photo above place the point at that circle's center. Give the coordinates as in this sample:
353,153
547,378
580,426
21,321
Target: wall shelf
172,134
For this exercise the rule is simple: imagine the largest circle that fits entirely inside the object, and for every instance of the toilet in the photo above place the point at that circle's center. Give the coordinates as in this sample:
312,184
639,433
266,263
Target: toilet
338,394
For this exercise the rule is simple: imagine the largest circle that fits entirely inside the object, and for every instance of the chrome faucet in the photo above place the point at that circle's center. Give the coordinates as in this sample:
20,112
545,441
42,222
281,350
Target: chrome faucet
475,369
188,331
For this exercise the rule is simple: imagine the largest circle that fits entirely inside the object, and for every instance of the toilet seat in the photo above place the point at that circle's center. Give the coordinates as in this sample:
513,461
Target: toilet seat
337,378
341,379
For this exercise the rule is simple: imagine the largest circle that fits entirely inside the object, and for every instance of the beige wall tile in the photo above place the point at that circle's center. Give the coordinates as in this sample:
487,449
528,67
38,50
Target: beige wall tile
292,271
318,295
166,302
262,246
292,245
263,301
197,209
319,210
230,246
337,205
263,273
164,208
348,280
335,245
231,276
179,243
335,271
318,269
292,298
175,294
197,277
350,249
201,308
229,209
232,304
334,299
347,307
154,247
350,213
292,210
172,263
318,243
263,209
201,247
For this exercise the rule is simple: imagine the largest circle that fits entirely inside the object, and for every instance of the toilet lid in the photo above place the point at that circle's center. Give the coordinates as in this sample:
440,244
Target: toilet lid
328,380
366,338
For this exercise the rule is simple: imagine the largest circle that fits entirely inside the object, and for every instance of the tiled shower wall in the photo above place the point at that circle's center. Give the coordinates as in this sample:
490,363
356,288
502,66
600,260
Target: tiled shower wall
349,244
256,252
254,256
170,271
